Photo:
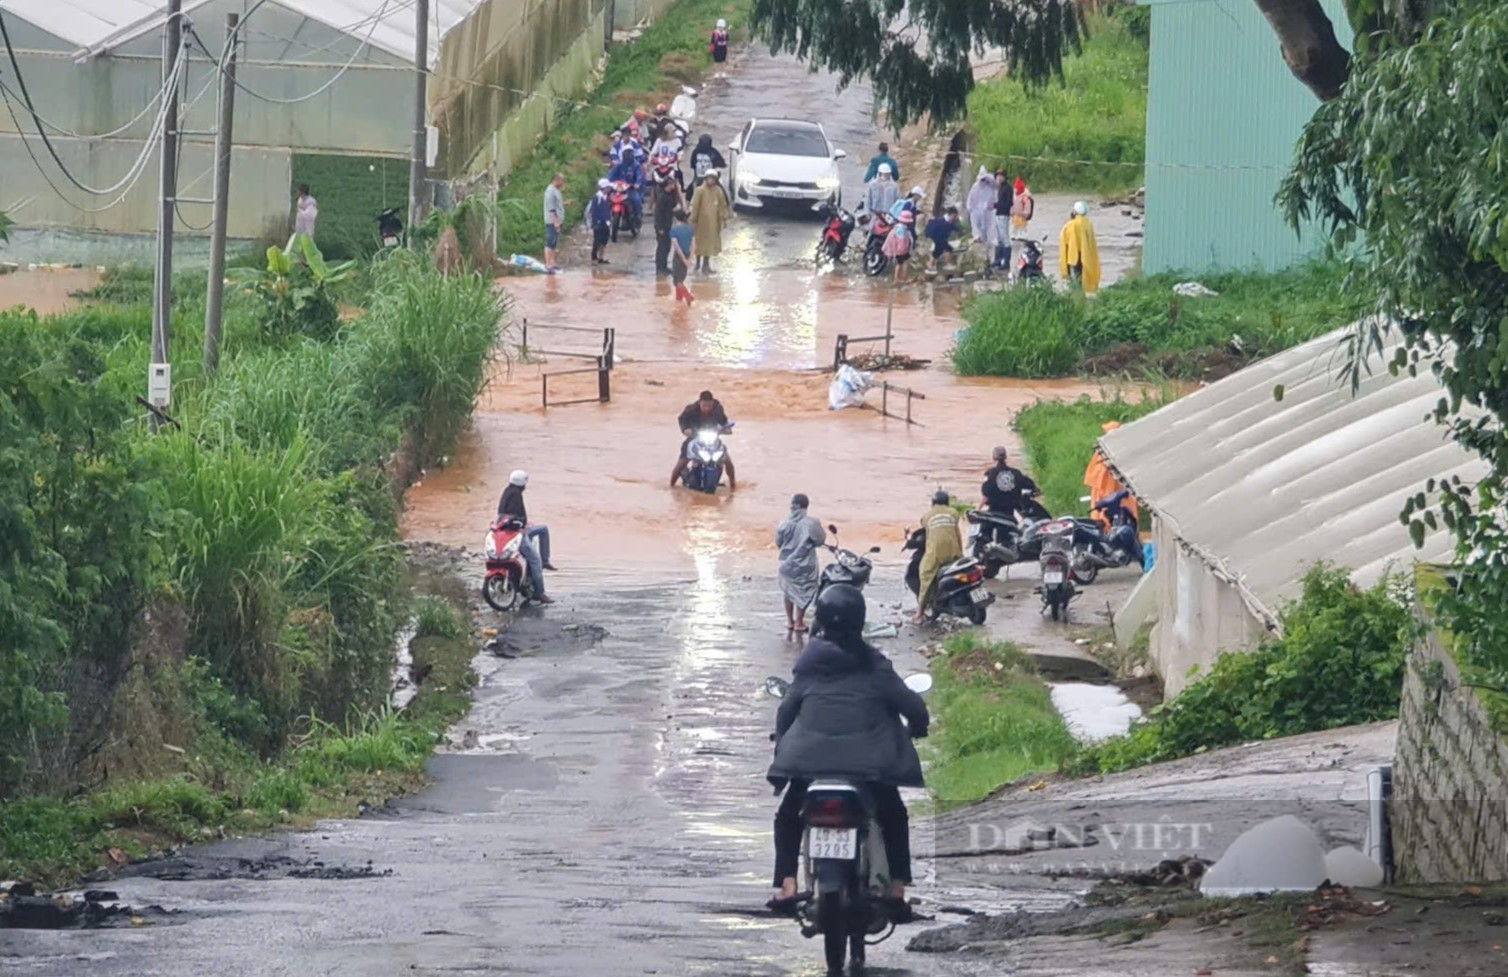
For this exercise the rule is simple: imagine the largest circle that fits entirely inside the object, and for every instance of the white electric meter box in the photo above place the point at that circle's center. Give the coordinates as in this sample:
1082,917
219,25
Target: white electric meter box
431,145
160,384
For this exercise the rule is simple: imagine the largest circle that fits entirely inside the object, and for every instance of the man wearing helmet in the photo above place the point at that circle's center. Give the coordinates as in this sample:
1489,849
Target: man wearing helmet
841,718
1078,254
536,554
1004,486
944,545
883,193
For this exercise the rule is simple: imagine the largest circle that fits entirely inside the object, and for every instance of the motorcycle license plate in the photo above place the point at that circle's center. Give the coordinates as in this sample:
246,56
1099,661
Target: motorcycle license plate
1052,576
979,596
833,842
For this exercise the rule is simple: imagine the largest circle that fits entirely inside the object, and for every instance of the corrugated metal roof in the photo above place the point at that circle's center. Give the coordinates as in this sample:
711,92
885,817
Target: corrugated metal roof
1262,488
97,25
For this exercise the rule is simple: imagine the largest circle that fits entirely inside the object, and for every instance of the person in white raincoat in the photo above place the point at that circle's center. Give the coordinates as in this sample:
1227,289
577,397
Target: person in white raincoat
798,538
981,204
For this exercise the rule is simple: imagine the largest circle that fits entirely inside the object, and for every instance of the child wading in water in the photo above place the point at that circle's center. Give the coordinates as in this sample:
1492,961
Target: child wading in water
719,45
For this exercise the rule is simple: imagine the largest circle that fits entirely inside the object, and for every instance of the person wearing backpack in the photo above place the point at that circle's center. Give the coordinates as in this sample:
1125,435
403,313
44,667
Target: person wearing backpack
1022,207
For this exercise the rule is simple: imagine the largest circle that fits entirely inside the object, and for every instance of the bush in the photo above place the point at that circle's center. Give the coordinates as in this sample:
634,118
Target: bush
1033,333
1341,661
1098,115
1060,437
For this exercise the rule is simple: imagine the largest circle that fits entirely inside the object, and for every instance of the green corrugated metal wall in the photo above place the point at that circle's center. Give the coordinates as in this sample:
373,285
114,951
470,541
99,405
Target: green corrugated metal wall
1223,115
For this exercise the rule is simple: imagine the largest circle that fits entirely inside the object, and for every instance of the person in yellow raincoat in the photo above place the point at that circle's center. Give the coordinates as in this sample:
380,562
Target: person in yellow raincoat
1078,255
944,545
1103,483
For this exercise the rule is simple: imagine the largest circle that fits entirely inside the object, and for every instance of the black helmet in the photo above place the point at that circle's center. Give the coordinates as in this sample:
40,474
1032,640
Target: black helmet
940,497
840,611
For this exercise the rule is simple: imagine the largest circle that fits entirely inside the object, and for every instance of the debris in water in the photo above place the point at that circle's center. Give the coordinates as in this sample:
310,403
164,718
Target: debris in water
874,362
1280,855
882,631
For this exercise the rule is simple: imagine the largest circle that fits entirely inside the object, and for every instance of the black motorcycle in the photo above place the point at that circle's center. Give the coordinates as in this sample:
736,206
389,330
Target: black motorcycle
1096,550
1056,561
390,228
1000,539
959,587
1030,267
847,566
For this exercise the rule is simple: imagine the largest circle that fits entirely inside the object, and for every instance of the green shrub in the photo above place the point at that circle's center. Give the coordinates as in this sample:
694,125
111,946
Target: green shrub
1024,332
1341,661
1098,115
438,618
1060,437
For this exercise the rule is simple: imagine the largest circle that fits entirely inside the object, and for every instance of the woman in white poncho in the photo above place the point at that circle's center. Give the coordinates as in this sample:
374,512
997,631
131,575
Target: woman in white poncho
798,538
981,204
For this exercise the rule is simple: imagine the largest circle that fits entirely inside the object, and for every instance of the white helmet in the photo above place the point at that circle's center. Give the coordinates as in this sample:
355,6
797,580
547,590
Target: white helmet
519,478
1081,208
722,25
917,192
884,169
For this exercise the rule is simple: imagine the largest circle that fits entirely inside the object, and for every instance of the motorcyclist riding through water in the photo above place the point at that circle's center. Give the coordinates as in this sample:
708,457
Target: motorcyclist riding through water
841,718
706,411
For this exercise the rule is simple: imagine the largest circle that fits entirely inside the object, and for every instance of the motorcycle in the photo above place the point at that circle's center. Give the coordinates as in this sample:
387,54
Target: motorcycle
839,227
1058,588
704,455
667,170
843,862
1029,269
998,539
390,228
683,108
875,259
625,215
507,581
960,584
1096,550
847,566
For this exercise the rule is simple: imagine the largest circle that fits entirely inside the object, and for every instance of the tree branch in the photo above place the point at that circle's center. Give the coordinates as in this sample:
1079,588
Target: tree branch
1310,47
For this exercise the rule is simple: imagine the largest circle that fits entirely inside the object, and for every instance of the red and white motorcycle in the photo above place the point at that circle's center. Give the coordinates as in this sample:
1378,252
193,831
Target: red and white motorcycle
507,584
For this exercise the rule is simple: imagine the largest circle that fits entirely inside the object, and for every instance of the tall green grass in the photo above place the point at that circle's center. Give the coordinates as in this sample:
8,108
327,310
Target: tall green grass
1033,332
1098,116
1059,439
639,74
994,721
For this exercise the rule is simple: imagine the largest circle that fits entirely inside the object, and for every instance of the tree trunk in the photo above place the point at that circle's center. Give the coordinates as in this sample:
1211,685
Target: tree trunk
1309,44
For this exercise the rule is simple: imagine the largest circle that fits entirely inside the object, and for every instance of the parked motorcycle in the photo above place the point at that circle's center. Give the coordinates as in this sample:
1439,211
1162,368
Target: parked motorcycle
507,582
390,228
683,108
704,456
875,259
998,539
839,226
960,584
625,215
847,566
843,862
1096,550
1056,561
1029,269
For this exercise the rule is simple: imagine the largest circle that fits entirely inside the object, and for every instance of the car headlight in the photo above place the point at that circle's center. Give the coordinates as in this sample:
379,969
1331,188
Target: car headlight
829,183
749,177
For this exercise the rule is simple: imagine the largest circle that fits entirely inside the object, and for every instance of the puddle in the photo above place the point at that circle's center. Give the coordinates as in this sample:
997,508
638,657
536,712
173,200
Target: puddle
1094,712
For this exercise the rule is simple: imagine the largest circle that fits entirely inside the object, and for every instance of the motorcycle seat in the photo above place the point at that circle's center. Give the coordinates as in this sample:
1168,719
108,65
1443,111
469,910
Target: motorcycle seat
1111,501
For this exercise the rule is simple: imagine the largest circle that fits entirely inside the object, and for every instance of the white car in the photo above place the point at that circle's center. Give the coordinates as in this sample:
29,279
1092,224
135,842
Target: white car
783,161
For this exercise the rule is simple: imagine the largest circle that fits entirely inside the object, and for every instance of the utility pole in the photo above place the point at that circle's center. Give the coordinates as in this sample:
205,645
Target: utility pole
160,377
416,173
214,312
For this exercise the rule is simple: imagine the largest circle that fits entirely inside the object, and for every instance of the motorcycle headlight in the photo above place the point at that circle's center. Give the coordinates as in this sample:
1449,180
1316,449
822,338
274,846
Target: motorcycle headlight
511,549
490,547
707,437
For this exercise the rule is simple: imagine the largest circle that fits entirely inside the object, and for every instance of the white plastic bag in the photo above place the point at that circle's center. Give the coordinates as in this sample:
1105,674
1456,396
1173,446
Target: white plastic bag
1194,290
847,388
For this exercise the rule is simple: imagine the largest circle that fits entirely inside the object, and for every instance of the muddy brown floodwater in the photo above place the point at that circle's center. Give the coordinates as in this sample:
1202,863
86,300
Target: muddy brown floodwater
48,291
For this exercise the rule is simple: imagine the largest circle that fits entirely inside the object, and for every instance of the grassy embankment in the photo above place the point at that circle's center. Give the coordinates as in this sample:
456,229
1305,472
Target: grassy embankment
640,74
1059,439
1139,325
197,626
1086,135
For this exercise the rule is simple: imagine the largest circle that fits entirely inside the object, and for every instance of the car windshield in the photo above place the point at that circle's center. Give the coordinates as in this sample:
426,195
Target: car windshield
786,141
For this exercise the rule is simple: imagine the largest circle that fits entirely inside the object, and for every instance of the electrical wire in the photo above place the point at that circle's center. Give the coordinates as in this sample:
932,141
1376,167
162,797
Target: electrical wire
90,137
342,32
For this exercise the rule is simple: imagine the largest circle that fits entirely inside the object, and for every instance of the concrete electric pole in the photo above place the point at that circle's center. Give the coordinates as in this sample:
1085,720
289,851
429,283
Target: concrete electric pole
417,168
214,313
160,377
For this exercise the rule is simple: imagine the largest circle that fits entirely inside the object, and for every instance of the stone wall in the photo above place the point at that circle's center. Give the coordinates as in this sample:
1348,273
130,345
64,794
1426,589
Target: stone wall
1449,813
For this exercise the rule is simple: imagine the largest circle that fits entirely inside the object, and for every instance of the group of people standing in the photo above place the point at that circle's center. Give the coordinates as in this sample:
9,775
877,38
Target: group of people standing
999,211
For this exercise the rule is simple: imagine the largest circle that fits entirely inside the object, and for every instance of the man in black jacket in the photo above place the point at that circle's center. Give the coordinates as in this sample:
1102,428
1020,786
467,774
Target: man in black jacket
704,412
536,554
667,200
1005,489
841,718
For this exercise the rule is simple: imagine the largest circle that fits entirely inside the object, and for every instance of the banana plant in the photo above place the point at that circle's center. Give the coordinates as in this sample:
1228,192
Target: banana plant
298,289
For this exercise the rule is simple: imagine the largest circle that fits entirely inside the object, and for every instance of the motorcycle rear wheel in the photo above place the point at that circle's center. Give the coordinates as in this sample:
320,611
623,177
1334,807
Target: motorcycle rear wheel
976,615
1086,575
832,920
1053,609
499,593
992,570
875,262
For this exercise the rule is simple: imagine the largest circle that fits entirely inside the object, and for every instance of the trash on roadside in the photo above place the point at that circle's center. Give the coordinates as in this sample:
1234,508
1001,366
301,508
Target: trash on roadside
847,388
1194,290
530,264
878,630
1280,855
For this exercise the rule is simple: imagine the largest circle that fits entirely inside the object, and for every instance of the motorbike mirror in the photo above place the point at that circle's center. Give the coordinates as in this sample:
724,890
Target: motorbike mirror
831,528
919,683
778,687
874,549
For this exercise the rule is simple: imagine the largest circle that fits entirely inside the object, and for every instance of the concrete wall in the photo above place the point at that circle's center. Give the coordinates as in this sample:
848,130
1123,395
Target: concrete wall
1199,616
1449,813
1223,115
